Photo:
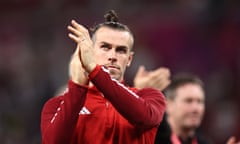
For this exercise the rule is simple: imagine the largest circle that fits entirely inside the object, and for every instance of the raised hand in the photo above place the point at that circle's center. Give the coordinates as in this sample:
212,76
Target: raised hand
76,71
159,78
81,36
232,140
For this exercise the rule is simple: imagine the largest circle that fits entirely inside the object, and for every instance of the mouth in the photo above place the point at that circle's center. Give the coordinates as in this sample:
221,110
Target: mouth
195,117
112,67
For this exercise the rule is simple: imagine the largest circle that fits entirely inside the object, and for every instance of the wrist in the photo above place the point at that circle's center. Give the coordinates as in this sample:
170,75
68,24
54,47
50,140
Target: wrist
90,67
80,79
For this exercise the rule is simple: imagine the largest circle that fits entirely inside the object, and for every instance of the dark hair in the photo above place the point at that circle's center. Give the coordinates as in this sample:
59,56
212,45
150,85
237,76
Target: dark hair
111,22
180,80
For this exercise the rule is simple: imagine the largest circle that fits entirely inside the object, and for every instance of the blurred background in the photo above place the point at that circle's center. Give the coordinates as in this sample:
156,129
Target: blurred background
197,36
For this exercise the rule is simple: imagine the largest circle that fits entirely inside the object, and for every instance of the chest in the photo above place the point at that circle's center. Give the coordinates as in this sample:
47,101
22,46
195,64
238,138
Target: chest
99,112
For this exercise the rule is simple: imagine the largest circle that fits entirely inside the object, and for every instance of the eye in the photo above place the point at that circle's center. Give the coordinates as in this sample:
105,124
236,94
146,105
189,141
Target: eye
188,100
201,101
105,46
121,50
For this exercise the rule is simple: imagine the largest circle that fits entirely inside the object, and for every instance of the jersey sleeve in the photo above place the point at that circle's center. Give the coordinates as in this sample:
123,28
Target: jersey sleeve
143,107
60,114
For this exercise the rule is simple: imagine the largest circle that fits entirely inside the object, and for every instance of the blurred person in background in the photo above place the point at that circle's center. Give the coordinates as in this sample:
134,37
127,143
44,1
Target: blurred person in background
185,106
97,107
184,113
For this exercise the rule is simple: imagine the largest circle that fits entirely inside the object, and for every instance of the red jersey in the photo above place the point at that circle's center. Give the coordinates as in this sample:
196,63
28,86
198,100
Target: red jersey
108,113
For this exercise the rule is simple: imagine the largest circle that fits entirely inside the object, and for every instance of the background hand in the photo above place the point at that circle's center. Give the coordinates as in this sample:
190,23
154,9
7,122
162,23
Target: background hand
232,140
159,78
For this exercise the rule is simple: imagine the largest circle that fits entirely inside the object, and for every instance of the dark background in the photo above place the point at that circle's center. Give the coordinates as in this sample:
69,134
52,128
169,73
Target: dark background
197,36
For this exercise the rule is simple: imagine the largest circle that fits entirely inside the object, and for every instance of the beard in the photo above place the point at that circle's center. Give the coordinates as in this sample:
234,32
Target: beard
191,124
115,74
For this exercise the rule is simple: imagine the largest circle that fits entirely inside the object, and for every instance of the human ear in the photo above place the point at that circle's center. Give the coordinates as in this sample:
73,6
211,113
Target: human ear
130,59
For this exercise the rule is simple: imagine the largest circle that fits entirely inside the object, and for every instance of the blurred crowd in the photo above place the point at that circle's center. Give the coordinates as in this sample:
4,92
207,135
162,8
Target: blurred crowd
197,36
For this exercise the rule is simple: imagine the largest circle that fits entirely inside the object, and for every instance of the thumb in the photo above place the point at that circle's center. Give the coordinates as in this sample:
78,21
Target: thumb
141,70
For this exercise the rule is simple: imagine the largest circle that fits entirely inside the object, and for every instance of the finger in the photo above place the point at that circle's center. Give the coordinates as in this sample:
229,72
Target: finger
81,31
161,85
140,71
151,84
161,77
158,72
163,71
158,75
80,28
73,37
162,81
166,70
75,31
164,85
77,25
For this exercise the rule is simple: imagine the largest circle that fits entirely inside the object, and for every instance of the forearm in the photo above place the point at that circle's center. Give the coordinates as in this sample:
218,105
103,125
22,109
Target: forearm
59,118
145,107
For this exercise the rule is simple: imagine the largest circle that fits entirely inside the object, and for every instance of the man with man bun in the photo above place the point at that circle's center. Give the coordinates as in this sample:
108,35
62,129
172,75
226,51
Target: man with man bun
98,108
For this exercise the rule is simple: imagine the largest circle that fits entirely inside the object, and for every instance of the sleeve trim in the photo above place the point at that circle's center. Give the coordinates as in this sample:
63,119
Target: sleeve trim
94,72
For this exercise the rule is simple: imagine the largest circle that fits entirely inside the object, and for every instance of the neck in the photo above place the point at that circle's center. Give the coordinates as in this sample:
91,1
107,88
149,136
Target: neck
183,132
90,84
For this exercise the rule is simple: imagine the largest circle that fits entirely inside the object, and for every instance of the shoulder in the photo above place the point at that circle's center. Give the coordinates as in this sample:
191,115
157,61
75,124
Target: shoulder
164,132
202,139
52,104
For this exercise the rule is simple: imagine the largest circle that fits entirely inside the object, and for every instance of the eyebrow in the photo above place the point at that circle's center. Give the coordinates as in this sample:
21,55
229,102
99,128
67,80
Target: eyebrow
118,46
105,43
122,47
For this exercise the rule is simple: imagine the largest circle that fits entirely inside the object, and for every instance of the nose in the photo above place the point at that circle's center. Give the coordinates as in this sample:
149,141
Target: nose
112,56
197,106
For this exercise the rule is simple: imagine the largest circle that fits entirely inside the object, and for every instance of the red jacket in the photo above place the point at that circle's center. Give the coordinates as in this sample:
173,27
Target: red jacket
108,113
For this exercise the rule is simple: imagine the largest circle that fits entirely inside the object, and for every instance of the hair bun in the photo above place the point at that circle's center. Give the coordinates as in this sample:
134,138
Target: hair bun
111,16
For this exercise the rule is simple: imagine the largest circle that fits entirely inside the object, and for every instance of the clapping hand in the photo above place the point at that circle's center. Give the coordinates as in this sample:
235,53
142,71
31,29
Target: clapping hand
159,78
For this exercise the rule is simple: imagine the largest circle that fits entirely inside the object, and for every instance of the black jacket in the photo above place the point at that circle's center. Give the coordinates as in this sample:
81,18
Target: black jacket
164,134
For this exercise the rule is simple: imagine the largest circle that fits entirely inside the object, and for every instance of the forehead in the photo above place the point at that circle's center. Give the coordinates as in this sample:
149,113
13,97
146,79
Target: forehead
190,90
114,37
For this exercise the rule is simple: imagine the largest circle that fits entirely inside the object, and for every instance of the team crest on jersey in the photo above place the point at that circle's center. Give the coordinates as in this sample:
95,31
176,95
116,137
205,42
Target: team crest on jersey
84,111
